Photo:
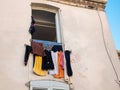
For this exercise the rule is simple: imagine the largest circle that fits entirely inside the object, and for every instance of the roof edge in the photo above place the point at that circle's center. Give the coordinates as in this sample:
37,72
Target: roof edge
90,4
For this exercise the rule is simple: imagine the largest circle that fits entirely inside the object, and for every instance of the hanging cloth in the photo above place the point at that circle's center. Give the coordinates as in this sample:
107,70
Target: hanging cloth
68,63
56,48
38,66
47,61
37,48
32,26
28,50
60,67
62,60
55,61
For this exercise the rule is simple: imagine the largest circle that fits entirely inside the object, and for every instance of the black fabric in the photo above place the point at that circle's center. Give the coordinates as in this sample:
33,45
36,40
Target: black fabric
47,63
57,48
32,27
33,59
28,50
33,21
68,64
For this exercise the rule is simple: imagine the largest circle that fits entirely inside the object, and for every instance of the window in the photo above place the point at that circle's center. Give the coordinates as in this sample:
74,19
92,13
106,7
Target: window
47,25
45,28
48,85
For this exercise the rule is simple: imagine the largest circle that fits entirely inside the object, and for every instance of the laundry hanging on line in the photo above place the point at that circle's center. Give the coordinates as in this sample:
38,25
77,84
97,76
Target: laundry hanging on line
51,60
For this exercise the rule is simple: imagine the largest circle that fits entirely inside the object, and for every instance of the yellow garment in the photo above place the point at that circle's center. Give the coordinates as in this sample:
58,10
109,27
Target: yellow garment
38,66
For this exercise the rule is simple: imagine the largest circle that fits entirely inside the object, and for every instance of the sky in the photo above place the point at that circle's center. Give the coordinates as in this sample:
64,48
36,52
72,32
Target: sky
113,15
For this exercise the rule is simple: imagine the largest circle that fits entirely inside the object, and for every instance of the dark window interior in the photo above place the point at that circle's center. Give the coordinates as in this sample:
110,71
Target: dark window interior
39,89
45,25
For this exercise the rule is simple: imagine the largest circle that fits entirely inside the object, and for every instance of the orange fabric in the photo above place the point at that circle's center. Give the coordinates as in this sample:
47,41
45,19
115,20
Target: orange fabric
60,68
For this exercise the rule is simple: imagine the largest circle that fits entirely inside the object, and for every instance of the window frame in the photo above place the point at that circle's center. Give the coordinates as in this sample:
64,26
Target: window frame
49,85
52,9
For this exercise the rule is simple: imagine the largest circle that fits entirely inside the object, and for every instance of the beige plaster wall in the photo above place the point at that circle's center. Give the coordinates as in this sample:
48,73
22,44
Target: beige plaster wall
15,20
82,34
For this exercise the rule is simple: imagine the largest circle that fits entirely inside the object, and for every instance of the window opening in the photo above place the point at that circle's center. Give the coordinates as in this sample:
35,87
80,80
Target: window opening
45,26
40,89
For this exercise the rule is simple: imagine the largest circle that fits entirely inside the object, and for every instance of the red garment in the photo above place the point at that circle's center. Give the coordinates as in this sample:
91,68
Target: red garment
62,60
37,48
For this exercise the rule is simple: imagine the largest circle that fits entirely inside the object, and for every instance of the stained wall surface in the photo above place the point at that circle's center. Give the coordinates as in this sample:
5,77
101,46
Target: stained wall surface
85,32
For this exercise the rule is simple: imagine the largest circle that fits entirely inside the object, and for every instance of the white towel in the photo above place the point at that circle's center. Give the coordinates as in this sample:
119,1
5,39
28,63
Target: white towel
55,62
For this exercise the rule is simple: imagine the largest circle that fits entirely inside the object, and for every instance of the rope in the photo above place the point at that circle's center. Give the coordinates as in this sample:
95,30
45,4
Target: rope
107,49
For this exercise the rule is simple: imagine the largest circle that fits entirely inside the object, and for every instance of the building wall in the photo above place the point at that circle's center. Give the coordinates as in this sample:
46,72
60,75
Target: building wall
82,33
